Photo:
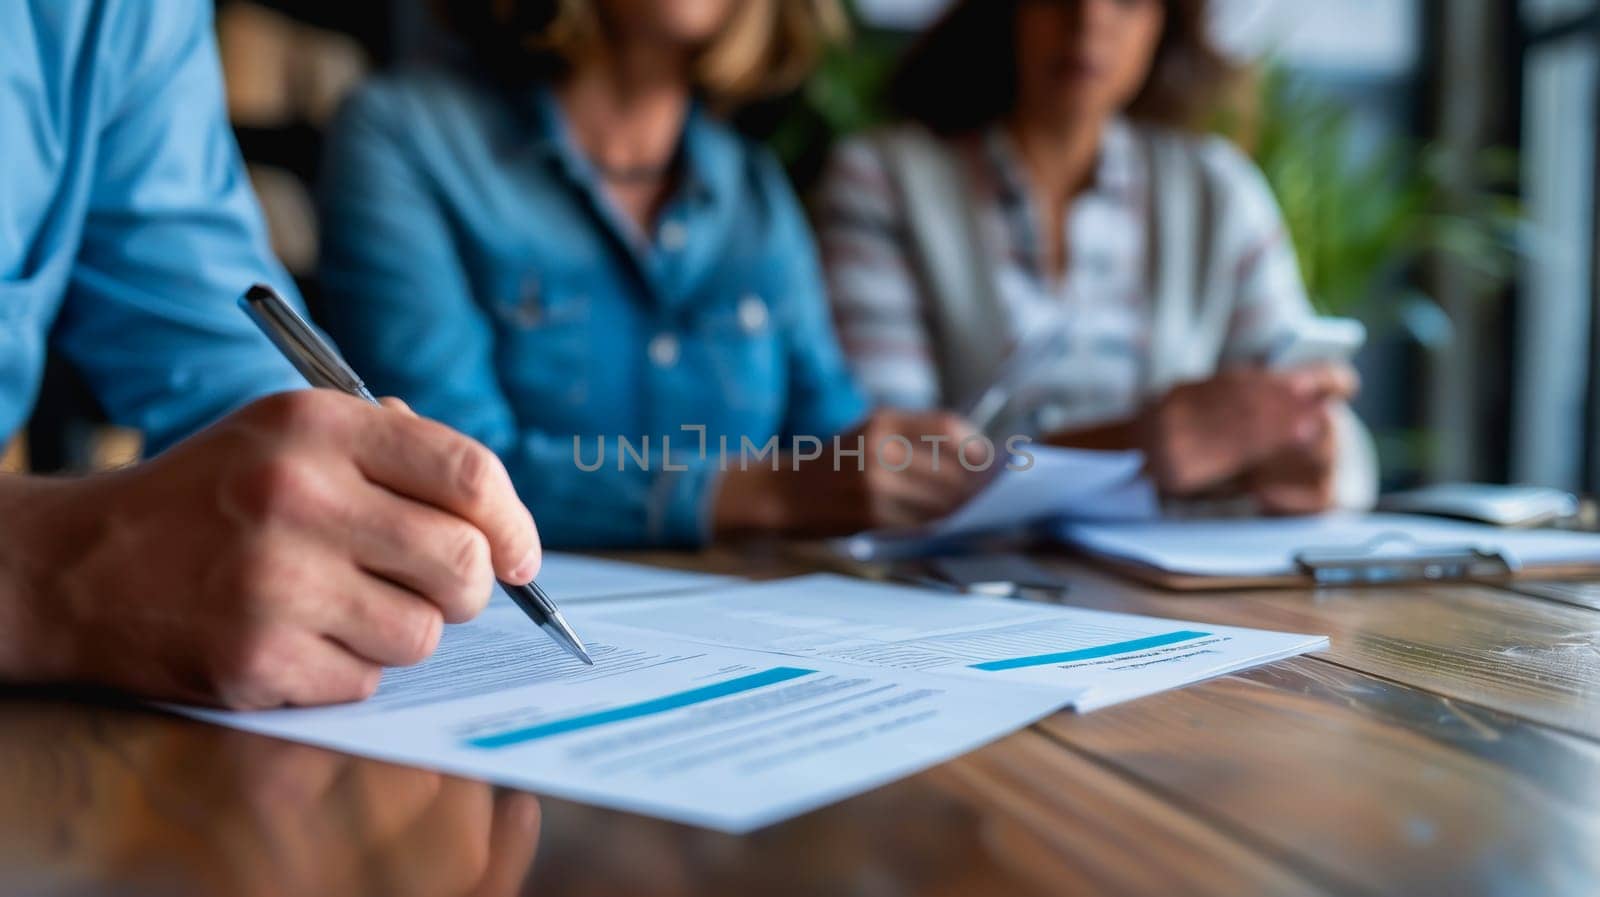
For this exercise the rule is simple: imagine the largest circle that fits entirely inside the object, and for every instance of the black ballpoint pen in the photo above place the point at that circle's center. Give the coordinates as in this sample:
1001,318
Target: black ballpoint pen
324,367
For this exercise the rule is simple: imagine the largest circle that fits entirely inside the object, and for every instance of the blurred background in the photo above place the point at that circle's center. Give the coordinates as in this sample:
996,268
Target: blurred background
1435,159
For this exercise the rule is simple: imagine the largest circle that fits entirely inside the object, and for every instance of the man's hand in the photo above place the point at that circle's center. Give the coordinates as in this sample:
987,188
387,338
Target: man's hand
1204,434
175,808
909,473
283,556
298,820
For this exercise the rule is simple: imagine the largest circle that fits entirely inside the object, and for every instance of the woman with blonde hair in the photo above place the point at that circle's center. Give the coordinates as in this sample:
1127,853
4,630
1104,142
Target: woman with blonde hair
559,249
1050,213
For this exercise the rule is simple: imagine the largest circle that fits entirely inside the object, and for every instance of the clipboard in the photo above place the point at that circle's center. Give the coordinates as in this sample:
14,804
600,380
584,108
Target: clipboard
1368,564
1386,559
1199,583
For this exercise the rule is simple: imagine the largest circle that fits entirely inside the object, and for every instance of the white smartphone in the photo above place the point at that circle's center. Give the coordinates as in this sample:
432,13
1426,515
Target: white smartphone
1495,505
1318,341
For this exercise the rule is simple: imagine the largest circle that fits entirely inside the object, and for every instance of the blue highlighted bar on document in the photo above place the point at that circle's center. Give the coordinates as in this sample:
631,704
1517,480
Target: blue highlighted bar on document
643,708
1098,651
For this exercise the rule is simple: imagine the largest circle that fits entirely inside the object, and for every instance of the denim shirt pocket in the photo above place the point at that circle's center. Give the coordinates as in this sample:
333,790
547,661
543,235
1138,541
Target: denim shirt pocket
545,341
745,346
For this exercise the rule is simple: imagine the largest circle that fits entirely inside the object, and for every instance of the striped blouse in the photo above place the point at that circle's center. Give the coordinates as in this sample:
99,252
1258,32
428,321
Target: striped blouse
1101,309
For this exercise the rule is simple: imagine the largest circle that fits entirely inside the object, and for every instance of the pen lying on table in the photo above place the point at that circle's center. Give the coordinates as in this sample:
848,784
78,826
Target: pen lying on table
324,367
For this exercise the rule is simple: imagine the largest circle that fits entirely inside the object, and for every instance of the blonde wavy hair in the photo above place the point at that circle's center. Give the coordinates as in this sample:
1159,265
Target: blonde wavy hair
766,48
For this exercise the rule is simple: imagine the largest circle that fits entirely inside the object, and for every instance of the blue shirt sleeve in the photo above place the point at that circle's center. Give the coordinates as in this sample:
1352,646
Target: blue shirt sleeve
401,305
172,234
824,399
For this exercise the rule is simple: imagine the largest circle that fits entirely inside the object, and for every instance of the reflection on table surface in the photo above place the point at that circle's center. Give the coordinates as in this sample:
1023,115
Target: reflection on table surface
125,801
97,798
1447,743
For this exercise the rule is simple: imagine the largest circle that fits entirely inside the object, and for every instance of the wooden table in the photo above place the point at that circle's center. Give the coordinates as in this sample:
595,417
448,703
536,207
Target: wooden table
1449,743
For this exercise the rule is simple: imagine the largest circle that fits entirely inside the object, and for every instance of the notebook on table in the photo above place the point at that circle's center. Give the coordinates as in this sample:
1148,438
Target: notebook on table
1333,549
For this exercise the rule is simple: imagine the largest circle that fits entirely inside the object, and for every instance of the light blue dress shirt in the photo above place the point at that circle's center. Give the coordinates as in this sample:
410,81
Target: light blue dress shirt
473,266
127,226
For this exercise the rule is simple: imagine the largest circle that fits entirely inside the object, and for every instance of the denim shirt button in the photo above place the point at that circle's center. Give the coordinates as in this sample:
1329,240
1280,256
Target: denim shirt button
752,313
664,350
674,236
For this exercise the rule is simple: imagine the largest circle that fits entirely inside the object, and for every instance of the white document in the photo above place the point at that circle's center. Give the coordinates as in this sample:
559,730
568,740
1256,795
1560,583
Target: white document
576,577
1261,548
728,739
1060,484
1090,658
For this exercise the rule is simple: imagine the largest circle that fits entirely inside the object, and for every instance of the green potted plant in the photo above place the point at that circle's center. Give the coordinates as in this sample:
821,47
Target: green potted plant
1362,219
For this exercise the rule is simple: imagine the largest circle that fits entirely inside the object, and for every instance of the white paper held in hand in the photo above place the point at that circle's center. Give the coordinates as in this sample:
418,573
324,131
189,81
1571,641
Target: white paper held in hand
1056,484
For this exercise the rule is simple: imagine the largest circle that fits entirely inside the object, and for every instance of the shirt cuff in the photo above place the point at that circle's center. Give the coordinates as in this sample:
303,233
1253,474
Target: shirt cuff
842,415
679,511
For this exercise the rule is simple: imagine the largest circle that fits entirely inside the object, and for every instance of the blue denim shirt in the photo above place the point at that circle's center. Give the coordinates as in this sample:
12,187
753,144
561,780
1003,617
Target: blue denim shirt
127,225
474,267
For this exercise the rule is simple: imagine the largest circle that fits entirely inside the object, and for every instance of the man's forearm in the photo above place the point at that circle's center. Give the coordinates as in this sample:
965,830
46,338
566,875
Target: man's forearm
1113,436
28,550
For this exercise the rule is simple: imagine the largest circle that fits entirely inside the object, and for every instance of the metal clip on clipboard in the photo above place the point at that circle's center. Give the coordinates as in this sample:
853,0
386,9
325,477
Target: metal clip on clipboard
1375,562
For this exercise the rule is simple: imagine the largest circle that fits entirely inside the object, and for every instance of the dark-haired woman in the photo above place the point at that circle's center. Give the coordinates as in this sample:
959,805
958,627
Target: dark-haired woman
562,252
1046,216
